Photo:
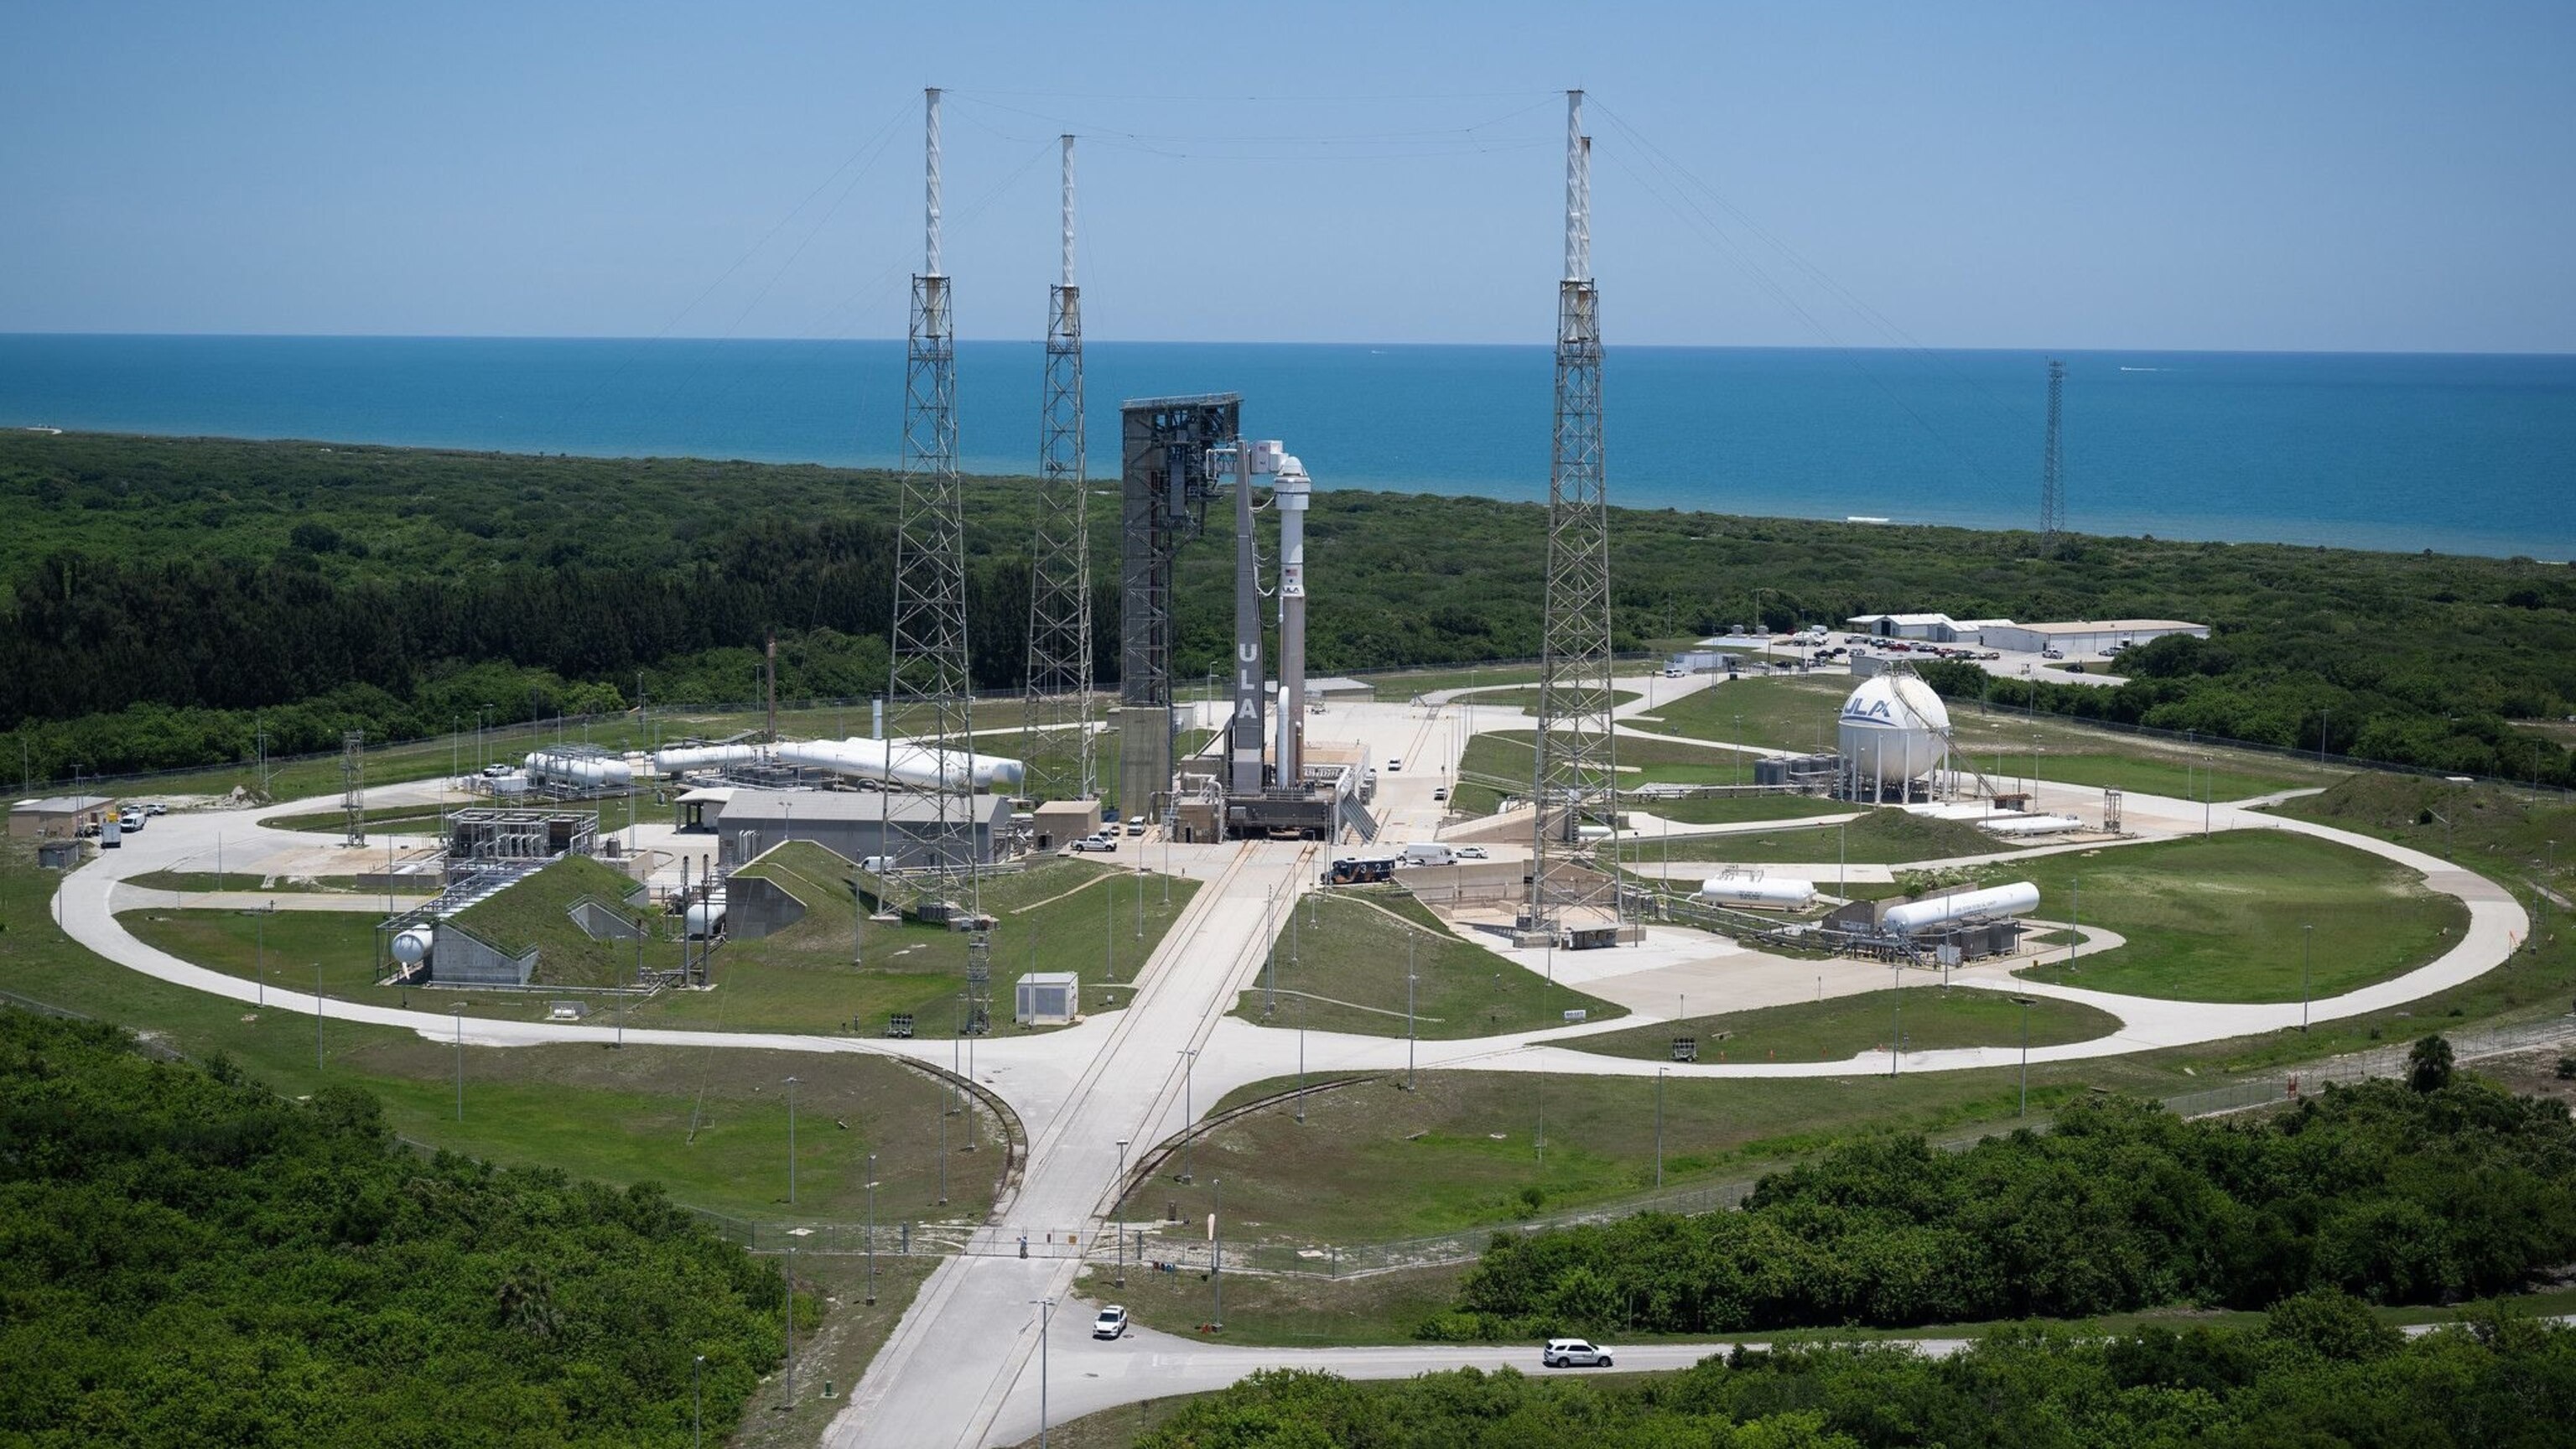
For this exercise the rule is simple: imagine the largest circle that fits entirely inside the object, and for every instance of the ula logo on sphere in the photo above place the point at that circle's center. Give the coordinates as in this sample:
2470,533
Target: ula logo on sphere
1876,709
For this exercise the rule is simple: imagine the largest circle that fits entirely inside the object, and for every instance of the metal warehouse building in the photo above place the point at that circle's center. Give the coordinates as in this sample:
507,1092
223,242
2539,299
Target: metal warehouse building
853,824
2085,636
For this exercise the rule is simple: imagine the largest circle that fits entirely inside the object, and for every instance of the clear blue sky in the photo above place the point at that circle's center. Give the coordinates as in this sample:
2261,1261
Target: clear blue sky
2287,175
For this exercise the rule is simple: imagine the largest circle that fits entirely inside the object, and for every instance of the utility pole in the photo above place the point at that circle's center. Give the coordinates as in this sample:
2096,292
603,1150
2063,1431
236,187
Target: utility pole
872,1230
791,1141
2307,953
1189,1110
2024,1003
1118,1205
2052,477
1659,1125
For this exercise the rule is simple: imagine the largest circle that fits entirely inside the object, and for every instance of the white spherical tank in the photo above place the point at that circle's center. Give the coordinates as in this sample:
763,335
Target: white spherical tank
705,918
1894,729
411,945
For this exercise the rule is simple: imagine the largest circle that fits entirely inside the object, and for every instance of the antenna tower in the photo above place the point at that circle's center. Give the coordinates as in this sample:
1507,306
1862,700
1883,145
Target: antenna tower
2052,477
929,691
1057,740
1574,782
353,787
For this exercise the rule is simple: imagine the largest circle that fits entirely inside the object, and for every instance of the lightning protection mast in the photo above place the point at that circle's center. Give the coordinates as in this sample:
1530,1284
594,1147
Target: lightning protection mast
1057,738
1573,783
2052,477
929,690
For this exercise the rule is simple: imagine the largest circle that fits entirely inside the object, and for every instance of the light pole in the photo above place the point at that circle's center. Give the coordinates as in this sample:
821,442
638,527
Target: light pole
1046,1314
1896,1037
1269,951
1109,926
1216,1252
2307,952
317,1016
2075,919
1189,1110
1301,1056
259,939
791,1144
944,1089
1409,1033
1118,1206
459,1009
1659,1126
872,1230
2024,1003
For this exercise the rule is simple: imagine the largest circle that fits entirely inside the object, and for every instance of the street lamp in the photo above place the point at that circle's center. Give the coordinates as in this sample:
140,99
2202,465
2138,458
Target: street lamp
1046,1314
2307,952
872,1230
1118,1192
1659,1125
459,1009
2024,1003
1189,1110
791,1141
1216,1252
1896,1038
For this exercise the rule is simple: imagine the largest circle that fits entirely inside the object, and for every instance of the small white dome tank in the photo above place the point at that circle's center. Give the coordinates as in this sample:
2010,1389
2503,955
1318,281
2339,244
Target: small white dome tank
1933,910
704,919
411,945
1894,729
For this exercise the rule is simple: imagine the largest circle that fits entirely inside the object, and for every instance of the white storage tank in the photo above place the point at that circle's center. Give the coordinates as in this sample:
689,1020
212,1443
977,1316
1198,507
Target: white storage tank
2008,900
703,919
1894,729
412,944
681,759
1775,892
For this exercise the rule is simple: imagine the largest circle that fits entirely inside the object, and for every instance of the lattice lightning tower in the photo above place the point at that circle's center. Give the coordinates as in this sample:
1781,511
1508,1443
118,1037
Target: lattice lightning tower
2052,477
1057,740
929,690
1574,782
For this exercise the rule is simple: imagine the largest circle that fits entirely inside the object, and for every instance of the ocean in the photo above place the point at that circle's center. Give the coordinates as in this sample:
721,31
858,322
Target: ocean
2457,453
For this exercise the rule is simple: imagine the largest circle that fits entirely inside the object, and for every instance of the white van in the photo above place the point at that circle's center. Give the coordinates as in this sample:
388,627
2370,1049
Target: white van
1430,852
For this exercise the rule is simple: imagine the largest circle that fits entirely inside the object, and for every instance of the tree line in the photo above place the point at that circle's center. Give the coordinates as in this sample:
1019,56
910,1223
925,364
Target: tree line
2425,1192
194,1260
151,579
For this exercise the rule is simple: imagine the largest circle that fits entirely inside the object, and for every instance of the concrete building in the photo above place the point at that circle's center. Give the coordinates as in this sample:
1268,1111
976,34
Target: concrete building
1047,998
2085,637
853,824
60,815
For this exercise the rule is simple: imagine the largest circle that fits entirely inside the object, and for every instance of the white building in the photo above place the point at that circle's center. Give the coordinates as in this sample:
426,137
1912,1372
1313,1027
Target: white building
2085,636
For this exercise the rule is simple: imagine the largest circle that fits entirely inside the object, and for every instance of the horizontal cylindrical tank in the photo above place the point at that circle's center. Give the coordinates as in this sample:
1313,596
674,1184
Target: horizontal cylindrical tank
1934,910
511,784
1894,729
588,772
903,763
704,918
681,759
411,945
1754,890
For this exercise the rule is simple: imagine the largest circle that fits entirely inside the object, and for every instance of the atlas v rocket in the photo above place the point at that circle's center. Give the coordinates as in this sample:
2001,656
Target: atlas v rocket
1245,742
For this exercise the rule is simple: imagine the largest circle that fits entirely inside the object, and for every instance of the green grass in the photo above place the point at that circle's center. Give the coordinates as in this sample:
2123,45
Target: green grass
1878,837
533,912
1057,915
1341,967
1731,810
2224,918
1374,1162
1798,714
1933,1017
618,1114
1281,1310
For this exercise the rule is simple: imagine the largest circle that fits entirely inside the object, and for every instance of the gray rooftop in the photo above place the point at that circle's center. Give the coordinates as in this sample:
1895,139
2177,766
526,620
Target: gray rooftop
63,804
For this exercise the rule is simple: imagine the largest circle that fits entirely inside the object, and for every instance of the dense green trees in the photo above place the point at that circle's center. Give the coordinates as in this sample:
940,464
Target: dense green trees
156,591
2319,1372
186,1259
2392,1194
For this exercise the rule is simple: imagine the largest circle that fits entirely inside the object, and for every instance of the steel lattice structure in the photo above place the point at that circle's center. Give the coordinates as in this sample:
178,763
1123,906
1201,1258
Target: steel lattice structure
929,691
2052,477
1056,738
1573,782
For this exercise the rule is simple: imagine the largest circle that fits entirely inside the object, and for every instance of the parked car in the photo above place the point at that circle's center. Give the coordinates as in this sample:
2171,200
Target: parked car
1574,1353
1468,852
1111,1323
1102,841
1990,654
1439,794
2052,654
156,808
495,771
1394,763
129,821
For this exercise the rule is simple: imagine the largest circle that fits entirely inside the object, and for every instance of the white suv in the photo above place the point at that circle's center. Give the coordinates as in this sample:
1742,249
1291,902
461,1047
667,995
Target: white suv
1573,1353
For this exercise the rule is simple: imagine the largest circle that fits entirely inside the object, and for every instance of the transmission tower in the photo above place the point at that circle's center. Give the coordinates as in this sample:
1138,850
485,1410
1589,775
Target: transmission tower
1056,736
929,691
2052,477
1573,783
353,786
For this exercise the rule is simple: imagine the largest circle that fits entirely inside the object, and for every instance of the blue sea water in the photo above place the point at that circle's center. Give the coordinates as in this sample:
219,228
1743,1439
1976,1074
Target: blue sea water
2464,454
